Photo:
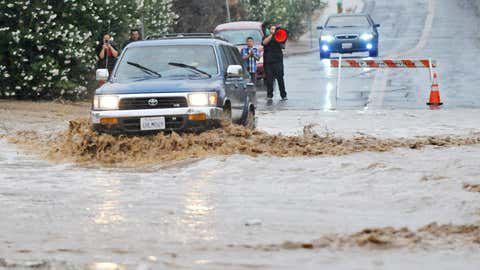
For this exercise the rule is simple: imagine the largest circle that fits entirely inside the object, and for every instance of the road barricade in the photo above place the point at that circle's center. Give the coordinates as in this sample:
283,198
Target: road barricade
384,63
365,63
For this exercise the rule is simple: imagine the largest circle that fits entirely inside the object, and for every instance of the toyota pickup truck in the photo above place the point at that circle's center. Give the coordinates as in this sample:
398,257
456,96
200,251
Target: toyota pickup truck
178,82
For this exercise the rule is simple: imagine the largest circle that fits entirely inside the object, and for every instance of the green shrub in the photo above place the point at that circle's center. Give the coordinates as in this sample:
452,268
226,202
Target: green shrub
287,13
47,47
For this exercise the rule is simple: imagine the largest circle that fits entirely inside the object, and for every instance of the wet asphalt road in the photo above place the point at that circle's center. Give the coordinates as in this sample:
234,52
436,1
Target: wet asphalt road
184,217
444,30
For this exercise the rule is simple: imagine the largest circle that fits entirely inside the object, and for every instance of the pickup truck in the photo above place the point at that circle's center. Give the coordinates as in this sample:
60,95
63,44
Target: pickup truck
178,82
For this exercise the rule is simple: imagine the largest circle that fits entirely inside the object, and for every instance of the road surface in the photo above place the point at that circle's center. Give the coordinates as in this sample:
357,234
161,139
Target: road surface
242,212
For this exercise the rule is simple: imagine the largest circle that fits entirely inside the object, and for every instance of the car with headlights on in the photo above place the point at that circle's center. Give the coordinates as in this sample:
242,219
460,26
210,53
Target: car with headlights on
348,33
178,82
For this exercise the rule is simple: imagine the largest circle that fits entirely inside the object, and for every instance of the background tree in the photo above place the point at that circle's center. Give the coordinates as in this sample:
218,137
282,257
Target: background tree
289,14
158,16
47,47
203,15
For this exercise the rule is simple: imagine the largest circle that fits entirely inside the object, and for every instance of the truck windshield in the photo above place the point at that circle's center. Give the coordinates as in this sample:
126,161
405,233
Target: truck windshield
157,58
239,37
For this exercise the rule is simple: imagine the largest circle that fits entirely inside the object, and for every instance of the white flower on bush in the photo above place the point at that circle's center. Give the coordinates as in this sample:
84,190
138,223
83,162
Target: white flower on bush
54,72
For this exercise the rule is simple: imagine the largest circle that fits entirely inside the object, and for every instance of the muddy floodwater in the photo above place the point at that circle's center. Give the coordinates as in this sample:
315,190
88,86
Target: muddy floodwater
80,144
381,202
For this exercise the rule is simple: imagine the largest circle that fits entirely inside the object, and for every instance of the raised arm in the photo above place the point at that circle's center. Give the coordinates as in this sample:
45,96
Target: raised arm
267,40
114,51
101,54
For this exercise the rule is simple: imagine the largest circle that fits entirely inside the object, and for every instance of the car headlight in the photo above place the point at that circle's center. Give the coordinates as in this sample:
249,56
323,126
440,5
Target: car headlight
327,38
202,99
105,102
366,37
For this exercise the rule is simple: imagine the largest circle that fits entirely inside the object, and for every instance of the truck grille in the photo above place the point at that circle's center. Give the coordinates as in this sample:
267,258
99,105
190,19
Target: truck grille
352,36
150,103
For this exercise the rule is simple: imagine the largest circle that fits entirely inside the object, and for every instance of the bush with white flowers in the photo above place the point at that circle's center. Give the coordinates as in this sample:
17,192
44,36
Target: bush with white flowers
158,16
47,48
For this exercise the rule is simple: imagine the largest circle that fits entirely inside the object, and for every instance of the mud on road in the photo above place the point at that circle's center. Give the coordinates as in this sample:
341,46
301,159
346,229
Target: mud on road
79,143
62,133
426,237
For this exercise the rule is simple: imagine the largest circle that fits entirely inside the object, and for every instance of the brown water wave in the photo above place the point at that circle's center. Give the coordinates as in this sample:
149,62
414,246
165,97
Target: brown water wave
79,143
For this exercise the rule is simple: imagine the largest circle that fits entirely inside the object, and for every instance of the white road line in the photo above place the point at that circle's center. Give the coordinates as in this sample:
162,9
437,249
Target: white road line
377,93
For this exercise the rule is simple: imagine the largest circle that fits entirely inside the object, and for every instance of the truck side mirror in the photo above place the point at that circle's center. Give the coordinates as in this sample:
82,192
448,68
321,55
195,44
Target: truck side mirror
377,25
234,71
319,27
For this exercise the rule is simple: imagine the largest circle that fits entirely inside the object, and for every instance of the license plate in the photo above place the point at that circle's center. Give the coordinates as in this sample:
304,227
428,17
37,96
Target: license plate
347,45
152,123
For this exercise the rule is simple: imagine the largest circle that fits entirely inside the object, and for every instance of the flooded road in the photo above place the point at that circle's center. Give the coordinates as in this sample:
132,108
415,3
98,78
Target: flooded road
248,212
196,214
367,208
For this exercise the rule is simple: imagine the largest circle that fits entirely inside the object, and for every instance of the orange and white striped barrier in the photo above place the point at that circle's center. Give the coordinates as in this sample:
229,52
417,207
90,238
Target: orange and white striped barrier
383,63
363,63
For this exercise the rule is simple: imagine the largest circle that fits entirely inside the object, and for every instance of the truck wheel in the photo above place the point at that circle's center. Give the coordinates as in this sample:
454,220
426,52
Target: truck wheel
227,115
249,121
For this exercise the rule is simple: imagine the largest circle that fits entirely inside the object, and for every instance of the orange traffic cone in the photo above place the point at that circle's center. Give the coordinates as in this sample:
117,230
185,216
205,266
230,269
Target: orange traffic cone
435,92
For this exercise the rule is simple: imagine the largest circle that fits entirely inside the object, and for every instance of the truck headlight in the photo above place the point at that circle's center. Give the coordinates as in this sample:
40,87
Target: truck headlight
105,102
327,38
366,37
202,99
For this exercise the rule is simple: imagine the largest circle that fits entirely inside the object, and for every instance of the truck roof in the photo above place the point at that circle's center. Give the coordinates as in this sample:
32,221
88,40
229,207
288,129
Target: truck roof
178,41
238,26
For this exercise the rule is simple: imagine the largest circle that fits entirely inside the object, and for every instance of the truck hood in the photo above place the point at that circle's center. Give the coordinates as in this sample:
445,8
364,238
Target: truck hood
159,86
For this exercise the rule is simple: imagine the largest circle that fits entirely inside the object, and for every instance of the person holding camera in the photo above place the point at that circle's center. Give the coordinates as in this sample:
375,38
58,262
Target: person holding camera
107,53
250,55
273,63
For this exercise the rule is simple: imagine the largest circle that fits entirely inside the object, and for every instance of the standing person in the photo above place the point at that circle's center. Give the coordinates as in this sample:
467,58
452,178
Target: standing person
107,53
273,63
250,56
134,36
